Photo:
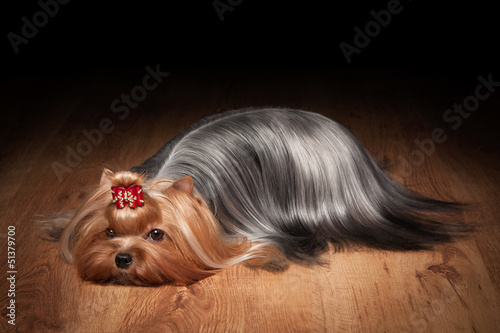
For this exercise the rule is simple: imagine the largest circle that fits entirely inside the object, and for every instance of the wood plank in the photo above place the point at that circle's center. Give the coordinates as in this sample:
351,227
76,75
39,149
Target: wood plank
454,288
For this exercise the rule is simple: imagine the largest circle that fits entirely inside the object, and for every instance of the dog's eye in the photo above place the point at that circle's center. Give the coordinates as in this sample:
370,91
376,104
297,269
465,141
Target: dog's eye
156,234
110,233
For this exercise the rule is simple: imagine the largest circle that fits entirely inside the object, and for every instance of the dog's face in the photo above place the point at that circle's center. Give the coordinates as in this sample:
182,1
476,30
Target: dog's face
172,237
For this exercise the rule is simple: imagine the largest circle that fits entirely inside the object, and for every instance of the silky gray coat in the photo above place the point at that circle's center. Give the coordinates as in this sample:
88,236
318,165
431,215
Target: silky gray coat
298,181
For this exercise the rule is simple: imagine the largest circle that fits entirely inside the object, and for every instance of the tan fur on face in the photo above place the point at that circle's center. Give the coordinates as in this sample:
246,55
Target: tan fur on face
193,246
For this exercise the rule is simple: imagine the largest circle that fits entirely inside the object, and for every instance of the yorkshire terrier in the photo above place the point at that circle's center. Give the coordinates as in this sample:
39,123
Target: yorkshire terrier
261,186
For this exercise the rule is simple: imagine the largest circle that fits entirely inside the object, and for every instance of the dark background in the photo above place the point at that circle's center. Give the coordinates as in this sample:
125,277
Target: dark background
459,39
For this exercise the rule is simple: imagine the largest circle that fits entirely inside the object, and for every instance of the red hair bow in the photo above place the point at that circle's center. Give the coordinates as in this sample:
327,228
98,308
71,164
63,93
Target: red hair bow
131,196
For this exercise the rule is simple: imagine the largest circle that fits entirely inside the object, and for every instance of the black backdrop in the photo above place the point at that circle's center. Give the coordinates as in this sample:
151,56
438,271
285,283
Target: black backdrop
454,38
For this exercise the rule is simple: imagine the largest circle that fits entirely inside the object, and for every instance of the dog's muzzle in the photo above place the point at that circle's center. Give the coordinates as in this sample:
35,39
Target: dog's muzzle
123,260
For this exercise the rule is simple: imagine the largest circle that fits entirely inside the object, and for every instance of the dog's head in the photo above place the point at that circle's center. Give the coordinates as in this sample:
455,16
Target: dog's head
171,236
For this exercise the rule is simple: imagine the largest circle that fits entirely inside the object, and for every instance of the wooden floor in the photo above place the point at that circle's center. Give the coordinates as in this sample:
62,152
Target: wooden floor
454,288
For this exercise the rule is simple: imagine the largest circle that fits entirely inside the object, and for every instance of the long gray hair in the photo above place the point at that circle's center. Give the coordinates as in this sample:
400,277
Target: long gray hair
298,181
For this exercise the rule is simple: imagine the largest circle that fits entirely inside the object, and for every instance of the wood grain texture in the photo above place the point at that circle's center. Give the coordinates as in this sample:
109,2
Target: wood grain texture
454,288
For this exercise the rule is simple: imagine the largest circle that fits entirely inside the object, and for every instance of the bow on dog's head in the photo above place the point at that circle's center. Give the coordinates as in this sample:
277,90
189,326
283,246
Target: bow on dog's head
146,233
131,196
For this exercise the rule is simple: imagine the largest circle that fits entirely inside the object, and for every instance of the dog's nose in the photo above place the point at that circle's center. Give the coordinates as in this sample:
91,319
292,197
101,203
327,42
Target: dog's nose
123,260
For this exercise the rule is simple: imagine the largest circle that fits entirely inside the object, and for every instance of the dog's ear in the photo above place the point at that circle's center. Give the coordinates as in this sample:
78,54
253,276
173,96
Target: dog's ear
106,177
185,184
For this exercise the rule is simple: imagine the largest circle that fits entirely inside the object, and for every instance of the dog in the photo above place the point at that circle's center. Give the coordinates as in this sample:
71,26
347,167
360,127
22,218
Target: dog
264,187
